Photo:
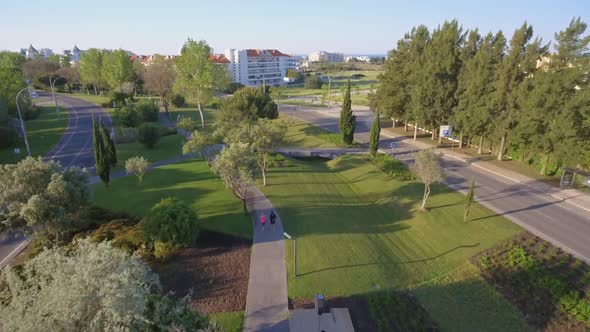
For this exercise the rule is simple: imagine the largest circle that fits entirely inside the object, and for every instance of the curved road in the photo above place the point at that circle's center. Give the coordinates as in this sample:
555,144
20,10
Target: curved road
534,209
75,148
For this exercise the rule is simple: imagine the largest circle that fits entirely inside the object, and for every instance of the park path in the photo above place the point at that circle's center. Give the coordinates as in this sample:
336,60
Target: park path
267,301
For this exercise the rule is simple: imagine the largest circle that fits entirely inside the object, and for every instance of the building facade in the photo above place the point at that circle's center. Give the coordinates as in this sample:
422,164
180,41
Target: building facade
254,67
323,56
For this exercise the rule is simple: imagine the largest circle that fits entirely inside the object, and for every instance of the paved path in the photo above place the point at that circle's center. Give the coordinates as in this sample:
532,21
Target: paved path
267,302
527,203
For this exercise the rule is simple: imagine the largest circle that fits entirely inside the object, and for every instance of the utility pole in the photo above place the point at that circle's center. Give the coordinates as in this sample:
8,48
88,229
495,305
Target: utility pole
52,85
22,122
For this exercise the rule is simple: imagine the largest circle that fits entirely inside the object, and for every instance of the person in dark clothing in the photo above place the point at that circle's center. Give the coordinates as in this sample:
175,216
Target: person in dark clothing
273,219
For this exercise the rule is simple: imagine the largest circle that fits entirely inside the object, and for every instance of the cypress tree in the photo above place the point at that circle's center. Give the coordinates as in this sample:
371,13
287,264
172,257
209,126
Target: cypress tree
374,136
469,199
102,163
109,145
347,122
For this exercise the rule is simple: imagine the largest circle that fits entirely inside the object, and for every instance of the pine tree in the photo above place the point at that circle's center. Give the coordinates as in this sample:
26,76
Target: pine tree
469,199
102,162
347,122
374,136
109,144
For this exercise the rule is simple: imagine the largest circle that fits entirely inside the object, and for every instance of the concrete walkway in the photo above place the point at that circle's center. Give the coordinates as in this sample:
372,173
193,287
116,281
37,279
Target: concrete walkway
267,301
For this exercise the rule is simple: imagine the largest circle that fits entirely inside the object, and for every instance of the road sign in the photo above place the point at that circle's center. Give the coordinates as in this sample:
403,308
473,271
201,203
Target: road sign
446,131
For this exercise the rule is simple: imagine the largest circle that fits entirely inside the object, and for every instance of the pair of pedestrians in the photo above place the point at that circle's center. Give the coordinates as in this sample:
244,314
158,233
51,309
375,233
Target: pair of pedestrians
272,217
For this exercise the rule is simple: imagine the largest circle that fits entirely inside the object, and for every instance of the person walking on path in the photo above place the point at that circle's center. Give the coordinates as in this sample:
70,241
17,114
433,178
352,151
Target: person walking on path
273,219
262,220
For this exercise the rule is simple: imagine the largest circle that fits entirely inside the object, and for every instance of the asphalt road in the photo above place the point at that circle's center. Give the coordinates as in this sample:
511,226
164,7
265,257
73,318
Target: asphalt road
563,224
73,149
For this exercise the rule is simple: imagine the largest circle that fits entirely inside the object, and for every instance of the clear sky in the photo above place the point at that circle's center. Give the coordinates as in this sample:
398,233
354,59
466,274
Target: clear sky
297,26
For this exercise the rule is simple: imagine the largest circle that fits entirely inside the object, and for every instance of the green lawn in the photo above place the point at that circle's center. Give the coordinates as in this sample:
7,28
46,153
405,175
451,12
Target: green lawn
168,147
191,181
338,82
358,231
303,134
99,100
193,112
229,321
43,133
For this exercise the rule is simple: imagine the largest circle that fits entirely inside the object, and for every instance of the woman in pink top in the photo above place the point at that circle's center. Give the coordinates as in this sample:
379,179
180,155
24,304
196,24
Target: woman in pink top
262,220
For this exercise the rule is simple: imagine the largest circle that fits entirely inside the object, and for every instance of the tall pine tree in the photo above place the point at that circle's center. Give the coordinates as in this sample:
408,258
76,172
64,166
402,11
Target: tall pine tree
347,121
109,145
374,136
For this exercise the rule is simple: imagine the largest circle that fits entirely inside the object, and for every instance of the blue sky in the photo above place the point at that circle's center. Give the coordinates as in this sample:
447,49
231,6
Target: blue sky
297,26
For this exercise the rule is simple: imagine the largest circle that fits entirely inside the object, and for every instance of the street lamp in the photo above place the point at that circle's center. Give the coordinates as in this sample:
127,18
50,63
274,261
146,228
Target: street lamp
22,122
52,85
329,87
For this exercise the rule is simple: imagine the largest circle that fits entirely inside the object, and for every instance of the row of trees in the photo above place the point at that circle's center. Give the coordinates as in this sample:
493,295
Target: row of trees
515,95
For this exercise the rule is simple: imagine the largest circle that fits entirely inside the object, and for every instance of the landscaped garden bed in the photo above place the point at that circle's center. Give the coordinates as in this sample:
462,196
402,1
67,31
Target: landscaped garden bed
547,284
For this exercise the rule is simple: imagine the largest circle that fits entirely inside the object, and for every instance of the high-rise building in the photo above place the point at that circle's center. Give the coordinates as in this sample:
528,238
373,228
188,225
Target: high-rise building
323,56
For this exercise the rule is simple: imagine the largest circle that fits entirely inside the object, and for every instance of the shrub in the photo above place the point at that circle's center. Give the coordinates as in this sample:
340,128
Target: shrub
187,124
138,166
7,137
147,111
126,116
164,250
233,87
125,135
393,167
313,82
148,134
117,98
178,100
172,221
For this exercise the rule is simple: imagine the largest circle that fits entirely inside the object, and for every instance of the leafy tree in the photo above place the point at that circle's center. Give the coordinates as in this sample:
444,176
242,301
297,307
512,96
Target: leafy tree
196,73
266,135
187,124
199,143
102,160
109,145
117,69
71,75
427,167
516,66
232,87
172,221
313,82
138,166
469,199
39,198
147,111
159,78
12,80
39,70
53,290
126,116
276,93
235,164
91,68
347,123
148,134
374,135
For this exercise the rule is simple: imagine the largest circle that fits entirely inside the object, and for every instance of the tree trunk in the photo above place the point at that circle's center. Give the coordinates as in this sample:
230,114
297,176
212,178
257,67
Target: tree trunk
460,140
425,197
440,139
405,125
393,123
469,142
544,164
95,90
502,147
415,130
433,134
201,113
480,146
263,169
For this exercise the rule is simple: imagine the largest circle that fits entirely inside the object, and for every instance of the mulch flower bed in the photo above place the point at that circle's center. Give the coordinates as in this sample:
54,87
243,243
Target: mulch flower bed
216,269
548,285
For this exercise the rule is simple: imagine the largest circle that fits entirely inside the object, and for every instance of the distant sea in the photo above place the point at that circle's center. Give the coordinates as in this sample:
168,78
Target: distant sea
374,55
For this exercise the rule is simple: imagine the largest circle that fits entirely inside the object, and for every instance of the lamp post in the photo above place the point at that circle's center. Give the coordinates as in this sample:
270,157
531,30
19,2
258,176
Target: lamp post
22,122
52,85
329,87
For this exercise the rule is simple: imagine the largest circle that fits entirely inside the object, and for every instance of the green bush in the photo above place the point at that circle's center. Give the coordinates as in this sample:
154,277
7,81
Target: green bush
147,111
125,135
393,167
172,221
148,134
313,82
126,116
233,87
7,137
178,100
164,250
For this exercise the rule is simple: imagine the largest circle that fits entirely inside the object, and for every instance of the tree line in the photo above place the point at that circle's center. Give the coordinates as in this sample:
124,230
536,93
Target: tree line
513,96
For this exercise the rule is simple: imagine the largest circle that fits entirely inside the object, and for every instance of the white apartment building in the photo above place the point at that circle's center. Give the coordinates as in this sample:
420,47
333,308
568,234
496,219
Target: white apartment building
253,67
323,56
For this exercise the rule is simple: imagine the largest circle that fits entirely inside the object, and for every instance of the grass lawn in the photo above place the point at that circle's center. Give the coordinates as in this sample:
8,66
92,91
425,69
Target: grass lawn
358,231
229,321
43,133
193,112
303,134
168,147
339,81
191,181
99,100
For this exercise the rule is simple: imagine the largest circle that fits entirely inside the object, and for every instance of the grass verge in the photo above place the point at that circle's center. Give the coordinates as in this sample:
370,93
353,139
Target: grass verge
229,321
